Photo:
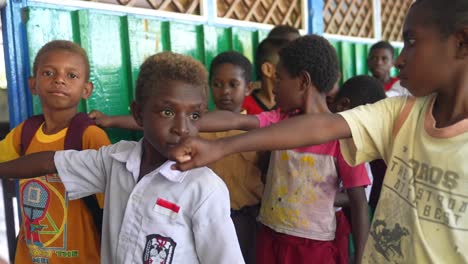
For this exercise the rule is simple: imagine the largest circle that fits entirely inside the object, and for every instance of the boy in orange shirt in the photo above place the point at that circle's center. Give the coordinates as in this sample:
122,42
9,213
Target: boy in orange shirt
55,229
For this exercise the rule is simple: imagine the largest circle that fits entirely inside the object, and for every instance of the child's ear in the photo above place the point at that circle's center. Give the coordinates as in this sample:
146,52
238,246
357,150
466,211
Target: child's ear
87,90
305,79
250,87
462,42
32,85
137,113
268,70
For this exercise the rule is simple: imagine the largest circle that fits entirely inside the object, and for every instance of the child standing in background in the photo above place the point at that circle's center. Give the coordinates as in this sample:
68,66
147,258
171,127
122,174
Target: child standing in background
230,82
55,229
152,214
263,99
380,62
422,214
297,210
356,91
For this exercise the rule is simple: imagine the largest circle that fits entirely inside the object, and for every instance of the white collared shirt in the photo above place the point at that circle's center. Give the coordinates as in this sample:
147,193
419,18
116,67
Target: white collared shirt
167,217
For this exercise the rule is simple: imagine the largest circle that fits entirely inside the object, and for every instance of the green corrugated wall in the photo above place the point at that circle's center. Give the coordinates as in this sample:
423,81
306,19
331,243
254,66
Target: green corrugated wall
117,45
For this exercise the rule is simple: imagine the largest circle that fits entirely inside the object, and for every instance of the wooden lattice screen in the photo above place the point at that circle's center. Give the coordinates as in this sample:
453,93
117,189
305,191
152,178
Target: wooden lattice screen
349,18
179,6
393,14
274,12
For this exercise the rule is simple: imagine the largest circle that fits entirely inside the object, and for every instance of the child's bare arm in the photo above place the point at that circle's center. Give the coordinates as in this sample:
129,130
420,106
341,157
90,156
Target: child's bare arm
359,220
341,199
120,121
295,132
226,120
29,166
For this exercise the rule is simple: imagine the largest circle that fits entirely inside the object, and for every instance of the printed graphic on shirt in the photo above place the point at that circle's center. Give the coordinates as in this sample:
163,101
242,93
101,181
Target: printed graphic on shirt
44,209
296,181
388,240
430,190
158,250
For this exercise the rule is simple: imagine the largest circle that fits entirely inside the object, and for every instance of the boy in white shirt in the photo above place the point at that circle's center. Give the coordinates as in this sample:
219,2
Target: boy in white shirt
152,212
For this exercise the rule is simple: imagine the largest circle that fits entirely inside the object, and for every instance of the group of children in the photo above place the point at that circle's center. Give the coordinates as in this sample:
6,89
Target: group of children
156,214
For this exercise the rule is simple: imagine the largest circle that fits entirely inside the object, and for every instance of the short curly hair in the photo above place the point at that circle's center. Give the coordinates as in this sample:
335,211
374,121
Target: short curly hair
235,58
267,51
168,66
361,90
281,31
63,45
314,55
383,45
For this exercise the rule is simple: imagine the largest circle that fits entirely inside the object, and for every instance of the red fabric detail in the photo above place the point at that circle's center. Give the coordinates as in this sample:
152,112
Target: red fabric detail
166,204
390,83
251,106
343,229
30,126
278,248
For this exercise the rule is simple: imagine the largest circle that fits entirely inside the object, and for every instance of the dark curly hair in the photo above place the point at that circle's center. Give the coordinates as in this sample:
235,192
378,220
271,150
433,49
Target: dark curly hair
362,89
314,55
169,66
282,31
383,45
266,52
446,16
235,58
63,45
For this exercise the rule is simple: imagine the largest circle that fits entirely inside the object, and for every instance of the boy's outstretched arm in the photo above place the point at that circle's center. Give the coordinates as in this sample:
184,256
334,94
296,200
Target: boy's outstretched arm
222,120
359,220
118,121
29,166
295,132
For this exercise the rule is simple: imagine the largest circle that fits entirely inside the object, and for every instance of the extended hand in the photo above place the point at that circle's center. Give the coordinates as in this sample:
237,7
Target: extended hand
100,118
194,152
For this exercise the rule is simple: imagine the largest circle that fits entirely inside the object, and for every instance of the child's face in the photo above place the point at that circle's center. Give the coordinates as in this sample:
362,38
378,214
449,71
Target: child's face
229,87
60,80
380,61
169,115
287,90
426,61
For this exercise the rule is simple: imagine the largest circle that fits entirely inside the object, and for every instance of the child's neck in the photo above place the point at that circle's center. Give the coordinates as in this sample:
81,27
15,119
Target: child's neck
385,79
55,121
452,107
265,95
316,104
151,159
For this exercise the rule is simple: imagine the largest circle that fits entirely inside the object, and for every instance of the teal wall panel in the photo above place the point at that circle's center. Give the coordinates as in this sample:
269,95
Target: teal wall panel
360,58
145,38
187,39
104,37
243,41
117,45
45,25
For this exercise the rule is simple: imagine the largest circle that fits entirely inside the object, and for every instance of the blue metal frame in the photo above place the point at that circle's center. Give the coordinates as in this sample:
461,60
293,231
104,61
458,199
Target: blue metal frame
315,22
16,61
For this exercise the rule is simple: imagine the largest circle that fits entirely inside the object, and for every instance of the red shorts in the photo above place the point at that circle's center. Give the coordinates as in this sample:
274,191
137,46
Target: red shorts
343,230
278,248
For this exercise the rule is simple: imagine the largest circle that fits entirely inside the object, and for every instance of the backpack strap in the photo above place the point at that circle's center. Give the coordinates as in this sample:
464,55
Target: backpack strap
74,140
30,126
